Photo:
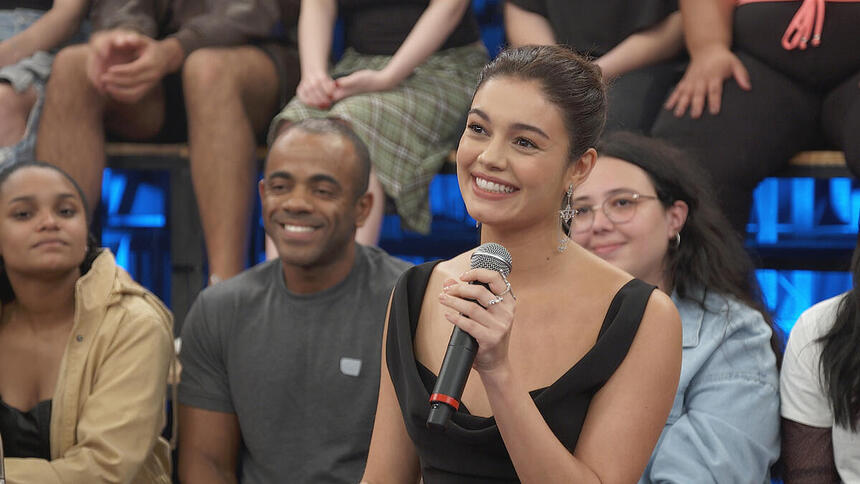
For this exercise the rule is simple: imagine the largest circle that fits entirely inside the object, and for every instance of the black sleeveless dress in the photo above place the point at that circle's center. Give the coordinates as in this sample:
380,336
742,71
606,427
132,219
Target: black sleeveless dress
26,434
472,450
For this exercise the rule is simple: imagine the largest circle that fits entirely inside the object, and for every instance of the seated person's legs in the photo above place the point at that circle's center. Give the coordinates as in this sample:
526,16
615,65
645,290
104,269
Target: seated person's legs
230,96
635,98
840,119
753,136
76,114
14,111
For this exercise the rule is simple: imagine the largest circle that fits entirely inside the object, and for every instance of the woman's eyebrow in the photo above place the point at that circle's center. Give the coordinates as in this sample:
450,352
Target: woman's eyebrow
519,126
528,127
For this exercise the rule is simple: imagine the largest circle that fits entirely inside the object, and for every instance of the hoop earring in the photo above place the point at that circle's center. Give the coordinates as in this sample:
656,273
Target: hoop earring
565,218
676,240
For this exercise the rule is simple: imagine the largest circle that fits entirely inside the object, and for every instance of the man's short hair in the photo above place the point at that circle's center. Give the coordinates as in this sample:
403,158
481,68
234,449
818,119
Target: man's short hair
342,128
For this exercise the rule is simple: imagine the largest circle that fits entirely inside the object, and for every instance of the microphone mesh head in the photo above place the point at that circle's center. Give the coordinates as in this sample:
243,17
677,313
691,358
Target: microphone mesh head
492,256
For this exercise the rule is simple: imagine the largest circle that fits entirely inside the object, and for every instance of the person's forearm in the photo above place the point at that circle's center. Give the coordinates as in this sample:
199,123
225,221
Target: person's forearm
642,49
707,24
316,24
48,32
527,28
429,33
537,454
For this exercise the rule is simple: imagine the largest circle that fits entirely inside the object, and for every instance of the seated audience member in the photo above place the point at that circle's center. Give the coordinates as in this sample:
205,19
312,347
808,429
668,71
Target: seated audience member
575,375
28,30
636,44
148,64
821,391
281,363
404,83
644,209
748,102
84,350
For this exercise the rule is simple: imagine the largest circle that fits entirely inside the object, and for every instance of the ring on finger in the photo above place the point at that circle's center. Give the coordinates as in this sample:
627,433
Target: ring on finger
508,289
495,300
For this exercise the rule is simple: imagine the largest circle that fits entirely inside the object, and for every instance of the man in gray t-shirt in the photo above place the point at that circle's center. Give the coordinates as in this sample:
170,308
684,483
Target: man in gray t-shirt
281,363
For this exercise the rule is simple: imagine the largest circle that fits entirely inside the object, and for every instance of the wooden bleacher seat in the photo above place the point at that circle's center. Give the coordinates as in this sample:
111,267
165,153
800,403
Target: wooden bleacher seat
817,164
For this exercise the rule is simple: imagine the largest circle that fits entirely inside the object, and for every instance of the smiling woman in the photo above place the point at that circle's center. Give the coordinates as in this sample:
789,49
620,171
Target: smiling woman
645,209
84,351
582,355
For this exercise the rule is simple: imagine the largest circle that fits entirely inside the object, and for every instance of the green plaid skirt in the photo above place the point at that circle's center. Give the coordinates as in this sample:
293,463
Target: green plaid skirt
411,129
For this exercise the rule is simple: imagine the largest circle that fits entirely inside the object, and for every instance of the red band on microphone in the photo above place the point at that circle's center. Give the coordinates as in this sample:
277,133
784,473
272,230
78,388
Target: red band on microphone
438,397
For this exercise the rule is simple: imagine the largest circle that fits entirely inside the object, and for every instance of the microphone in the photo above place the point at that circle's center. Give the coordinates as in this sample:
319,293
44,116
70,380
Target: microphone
462,347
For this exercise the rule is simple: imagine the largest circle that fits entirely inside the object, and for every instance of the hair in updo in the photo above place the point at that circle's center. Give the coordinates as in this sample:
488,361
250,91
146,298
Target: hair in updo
568,80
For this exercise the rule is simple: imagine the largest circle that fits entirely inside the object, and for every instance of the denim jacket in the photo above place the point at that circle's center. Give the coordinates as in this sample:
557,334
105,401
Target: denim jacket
724,423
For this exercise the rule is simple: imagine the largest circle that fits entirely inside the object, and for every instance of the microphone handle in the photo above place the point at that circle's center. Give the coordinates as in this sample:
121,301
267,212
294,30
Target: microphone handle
445,399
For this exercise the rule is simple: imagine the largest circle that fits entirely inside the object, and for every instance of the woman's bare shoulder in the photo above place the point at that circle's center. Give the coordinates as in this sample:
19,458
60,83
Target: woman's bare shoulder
661,323
590,273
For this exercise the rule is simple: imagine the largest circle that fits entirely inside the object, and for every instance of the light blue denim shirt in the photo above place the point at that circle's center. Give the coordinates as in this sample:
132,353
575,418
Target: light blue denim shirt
724,424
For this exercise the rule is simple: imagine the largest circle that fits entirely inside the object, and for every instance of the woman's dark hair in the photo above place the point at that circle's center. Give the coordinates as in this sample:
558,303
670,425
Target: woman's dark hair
711,255
7,294
840,360
568,80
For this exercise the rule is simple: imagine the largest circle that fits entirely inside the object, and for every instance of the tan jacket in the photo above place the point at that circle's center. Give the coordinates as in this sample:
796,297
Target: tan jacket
109,403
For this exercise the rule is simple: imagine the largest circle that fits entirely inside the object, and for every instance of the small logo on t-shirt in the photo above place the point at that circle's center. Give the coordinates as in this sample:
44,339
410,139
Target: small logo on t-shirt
350,366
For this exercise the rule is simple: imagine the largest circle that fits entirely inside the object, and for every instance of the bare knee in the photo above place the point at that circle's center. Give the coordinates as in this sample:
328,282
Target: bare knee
69,83
70,66
244,72
242,77
209,71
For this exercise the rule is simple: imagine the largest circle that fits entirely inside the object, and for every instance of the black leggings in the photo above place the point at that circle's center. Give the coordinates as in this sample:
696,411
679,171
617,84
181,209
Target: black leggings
635,98
800,100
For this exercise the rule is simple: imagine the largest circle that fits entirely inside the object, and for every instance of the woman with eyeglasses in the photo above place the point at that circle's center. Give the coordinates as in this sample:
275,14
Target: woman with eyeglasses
645,209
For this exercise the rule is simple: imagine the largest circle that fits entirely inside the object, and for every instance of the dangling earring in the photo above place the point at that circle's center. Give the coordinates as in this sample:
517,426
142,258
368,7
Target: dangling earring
565,217
477,224
676,240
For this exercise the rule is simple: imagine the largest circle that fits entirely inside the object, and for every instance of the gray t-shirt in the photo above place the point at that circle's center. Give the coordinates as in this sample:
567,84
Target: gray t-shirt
301,371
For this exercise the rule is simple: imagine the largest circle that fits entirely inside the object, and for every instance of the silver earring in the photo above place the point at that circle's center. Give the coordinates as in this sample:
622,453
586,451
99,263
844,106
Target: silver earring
565,217
676,240
477,224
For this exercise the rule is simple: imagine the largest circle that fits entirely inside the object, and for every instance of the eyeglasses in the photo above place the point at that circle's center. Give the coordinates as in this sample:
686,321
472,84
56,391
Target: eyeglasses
618,208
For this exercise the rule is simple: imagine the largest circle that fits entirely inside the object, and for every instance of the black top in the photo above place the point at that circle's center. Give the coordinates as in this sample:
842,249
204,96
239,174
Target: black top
594,28
31,4
379,27
26,434
471,449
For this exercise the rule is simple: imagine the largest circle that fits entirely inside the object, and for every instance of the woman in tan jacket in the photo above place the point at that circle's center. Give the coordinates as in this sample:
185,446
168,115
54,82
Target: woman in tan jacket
84,350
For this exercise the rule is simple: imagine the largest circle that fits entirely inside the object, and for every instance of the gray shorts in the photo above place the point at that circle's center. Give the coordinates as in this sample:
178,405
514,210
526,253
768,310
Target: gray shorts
31,72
